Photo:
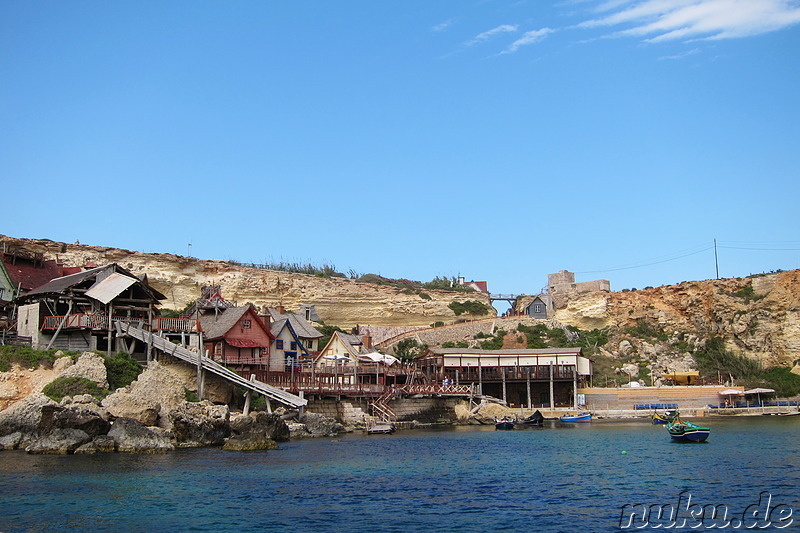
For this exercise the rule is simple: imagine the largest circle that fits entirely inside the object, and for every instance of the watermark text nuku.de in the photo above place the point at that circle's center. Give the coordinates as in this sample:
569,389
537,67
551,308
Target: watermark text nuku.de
686,514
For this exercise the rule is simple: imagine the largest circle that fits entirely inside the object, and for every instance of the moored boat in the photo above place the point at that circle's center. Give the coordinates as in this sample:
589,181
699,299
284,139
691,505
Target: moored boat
682,431
665,418
505,422
536,419
582,417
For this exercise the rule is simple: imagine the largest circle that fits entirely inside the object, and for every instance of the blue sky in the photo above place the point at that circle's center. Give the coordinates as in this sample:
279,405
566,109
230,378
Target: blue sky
497,140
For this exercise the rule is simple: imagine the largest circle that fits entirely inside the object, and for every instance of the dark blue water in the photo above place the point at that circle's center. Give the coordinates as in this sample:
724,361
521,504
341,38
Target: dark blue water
560,478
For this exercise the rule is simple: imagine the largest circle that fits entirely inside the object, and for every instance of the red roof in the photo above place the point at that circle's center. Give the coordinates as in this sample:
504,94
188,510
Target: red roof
32,275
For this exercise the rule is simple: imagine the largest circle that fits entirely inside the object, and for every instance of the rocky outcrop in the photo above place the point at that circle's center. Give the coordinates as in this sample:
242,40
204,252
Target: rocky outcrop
89,366
131,436
256,431
758,317
60,441
315,425
156,392
57,417
23,419
200,424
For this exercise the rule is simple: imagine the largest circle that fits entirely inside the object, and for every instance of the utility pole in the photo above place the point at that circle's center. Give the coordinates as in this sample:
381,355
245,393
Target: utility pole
716,261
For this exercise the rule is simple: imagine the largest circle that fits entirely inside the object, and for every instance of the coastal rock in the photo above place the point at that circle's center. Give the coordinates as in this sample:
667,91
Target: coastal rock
321,426
215,389
298,430
60,441
156,391
100,444
90,366
260,432
200,424
23,417
56,417
131,436
249,442
11,441
489,412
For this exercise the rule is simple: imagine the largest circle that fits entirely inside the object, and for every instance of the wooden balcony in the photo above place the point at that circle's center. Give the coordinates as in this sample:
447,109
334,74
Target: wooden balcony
90,321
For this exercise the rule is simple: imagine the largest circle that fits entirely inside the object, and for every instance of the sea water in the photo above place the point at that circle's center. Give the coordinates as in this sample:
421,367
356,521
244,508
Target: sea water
561,477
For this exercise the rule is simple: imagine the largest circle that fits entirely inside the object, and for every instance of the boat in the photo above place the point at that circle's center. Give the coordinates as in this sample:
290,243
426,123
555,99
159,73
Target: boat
535,420
665,418
582,417
682,431
505,422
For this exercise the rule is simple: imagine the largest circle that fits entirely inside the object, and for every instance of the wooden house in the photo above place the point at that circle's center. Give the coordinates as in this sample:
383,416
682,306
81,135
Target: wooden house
533,378
77,311
237,336
540,307
301,329
344,349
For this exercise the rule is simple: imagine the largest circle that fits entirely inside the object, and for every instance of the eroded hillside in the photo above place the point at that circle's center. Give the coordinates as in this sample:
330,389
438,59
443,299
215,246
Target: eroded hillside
339,301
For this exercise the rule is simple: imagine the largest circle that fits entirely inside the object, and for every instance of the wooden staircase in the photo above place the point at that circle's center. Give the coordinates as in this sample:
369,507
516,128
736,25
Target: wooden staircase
381,409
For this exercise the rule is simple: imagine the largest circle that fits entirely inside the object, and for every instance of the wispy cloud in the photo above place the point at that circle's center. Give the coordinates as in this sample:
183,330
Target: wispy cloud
681,55
668,20
485,36
443,26
530,37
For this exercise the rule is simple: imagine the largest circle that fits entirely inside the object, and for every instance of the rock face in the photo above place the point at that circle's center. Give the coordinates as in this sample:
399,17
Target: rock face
90,366
156,391
338,301
56,417
131,436
758,316
200,424
59,441
23,418
256,431
320,425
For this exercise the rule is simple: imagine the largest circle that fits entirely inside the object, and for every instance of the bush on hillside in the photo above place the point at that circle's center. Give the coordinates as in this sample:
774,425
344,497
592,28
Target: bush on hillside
72,386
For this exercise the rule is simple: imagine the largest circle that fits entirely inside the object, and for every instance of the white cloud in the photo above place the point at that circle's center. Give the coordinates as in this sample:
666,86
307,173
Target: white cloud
666,20
443,26
485,36
681,55
527,38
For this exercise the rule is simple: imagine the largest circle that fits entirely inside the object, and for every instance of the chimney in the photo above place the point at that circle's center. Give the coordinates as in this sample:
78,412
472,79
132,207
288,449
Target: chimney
280,309
265,318
366,340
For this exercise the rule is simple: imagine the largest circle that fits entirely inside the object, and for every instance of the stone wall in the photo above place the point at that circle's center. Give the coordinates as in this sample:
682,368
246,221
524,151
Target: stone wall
694,397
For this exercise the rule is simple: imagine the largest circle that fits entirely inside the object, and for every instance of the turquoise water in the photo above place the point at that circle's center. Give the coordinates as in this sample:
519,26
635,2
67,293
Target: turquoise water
559,478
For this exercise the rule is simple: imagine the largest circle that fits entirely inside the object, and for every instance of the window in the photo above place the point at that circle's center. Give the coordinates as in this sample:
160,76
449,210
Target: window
279,344
293,346
246,324
263,350
537,308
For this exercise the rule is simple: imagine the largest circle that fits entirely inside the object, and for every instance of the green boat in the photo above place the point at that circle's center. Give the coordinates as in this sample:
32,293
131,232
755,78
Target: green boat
682,431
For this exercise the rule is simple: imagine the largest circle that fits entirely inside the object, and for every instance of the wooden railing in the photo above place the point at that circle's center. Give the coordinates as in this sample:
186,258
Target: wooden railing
91,321
176,324
455,390
86,321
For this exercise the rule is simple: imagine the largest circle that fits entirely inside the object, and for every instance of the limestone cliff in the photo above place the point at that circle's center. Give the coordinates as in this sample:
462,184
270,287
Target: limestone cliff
757,316
339,301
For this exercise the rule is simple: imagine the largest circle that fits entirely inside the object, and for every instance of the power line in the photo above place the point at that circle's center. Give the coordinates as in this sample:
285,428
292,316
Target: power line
654,262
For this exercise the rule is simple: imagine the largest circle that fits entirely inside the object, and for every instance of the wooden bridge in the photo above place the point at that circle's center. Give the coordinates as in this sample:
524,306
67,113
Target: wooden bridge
205,364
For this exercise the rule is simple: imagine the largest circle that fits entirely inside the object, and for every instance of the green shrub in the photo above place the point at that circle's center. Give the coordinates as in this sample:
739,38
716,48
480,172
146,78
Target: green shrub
470,307
714,359
122,369
408,349
72,386
190,395
496,342
448,344
27,357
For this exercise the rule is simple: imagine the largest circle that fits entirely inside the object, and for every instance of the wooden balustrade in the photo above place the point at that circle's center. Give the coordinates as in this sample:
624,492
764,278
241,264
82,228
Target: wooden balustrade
96,321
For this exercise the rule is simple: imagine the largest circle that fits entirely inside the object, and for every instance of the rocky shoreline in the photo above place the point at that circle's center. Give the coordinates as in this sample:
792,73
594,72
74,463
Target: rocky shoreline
151,415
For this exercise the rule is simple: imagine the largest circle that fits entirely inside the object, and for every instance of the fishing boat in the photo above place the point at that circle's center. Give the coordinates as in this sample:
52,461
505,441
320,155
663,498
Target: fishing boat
683,431
505,422
535,420
665,418
582,417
